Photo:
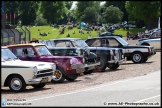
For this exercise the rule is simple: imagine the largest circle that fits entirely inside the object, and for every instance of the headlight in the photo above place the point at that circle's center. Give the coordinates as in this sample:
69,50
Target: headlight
35,70
71,61
78,51
53,67
111,52
83,60
87,50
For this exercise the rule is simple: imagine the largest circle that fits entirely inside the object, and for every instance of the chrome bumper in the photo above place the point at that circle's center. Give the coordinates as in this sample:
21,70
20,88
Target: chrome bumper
91,66
118,61
41,80
79,68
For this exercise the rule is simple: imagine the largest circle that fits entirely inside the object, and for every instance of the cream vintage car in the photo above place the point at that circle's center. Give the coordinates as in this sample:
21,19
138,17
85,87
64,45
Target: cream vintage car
17,74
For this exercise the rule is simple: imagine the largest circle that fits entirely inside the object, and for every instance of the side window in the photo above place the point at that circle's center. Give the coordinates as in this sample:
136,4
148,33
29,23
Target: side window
23,52
60,44
90,42
113,42
96,43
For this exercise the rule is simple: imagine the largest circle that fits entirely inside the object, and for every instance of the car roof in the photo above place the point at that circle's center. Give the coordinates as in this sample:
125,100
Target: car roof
29,44
106,37
66,39
3,47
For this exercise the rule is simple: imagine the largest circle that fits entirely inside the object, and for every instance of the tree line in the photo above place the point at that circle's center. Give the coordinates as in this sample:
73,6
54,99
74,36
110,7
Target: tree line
57,12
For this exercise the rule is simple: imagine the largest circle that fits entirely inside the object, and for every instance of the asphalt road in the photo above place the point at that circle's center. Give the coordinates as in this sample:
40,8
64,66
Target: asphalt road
138,91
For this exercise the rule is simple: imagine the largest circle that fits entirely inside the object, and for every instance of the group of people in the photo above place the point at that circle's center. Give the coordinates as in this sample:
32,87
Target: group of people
139,35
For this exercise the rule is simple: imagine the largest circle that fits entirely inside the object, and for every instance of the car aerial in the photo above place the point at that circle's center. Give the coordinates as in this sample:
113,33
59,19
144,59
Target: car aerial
17,74
67,67
108,57
136,53
109,34
65,48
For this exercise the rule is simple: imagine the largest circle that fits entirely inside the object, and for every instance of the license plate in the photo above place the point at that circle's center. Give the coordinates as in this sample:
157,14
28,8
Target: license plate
44,80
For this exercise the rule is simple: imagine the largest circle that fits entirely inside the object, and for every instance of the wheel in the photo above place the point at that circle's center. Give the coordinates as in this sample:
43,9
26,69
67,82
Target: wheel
113,66
37,86
88,72
60,77
103,64
71,77
137,57
16,83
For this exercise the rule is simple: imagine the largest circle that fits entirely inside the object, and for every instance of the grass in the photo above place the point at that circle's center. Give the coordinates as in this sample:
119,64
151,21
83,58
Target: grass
53,33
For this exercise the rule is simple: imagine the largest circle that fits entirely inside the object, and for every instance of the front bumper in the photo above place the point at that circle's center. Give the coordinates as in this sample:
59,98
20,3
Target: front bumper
78,67
90,66
41,79
118,61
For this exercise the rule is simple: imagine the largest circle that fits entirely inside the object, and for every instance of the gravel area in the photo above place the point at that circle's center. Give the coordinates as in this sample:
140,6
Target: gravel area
126,70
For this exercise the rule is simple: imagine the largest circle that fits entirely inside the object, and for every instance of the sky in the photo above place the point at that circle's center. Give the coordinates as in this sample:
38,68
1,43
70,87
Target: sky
74,4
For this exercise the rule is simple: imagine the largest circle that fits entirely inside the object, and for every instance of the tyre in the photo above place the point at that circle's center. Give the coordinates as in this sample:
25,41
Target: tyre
137,57
16,83
59,75
71,77
103,64
113,66
37,86
88,72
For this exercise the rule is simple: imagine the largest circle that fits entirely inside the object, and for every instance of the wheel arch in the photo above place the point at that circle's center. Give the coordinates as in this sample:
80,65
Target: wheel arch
8,77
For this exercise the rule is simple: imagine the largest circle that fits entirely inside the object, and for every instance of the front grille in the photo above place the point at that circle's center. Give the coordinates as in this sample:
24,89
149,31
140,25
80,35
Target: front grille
43,75
44,71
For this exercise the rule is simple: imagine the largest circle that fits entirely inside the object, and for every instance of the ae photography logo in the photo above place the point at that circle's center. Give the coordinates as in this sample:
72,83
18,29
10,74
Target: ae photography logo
14,102
131,104
3,102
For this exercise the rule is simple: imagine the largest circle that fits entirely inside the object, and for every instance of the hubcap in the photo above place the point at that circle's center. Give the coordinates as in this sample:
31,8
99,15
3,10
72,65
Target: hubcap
57,75
16,83
136,57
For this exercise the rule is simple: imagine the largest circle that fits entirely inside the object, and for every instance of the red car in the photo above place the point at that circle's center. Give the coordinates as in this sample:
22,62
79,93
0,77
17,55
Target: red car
67,67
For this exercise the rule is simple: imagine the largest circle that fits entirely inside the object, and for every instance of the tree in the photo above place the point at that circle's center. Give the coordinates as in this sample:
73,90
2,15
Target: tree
112,15
53,11
120,5
69,4
148,11
90,15
80,7
27,12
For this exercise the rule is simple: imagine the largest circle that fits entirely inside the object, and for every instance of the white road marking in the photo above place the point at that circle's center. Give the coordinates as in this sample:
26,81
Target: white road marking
147,99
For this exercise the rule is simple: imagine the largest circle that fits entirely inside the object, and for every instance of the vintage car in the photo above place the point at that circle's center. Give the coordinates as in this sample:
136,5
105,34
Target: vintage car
136,53
64,49
109,34
17,74
156,43
67,67
153,40
153,35
109,57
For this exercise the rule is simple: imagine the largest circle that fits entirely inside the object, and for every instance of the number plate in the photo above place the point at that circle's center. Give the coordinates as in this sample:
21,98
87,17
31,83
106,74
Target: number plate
44,80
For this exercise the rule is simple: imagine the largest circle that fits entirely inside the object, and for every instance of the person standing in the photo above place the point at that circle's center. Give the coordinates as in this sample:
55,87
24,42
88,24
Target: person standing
128,35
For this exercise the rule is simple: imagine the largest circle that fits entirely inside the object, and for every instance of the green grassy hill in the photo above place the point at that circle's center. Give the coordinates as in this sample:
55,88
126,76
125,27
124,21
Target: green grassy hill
53,33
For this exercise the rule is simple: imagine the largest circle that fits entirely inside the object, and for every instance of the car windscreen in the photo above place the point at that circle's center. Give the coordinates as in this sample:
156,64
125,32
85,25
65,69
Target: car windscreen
6,54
